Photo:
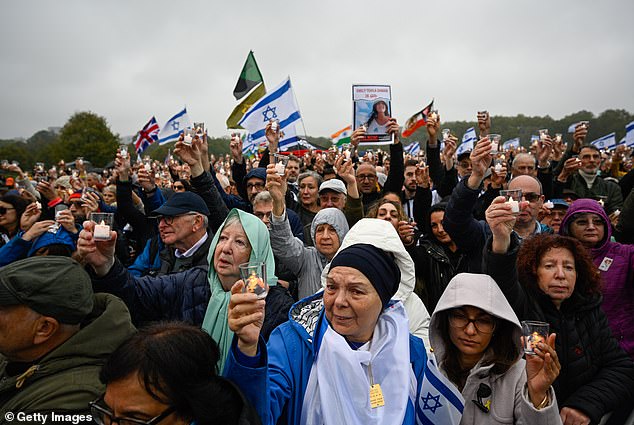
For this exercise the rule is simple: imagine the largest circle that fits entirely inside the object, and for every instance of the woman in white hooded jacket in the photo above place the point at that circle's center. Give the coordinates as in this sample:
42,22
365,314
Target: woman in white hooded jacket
382,235
476,338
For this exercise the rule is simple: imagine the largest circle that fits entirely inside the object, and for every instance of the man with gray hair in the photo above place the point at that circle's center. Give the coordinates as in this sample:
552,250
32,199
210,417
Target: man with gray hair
183,230
55,335
469,234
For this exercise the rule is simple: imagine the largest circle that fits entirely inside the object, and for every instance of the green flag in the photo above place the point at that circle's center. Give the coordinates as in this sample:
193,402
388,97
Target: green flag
249,77
239,111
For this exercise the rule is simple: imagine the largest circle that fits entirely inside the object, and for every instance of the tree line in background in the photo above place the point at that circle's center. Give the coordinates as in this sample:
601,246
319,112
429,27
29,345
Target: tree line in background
88,135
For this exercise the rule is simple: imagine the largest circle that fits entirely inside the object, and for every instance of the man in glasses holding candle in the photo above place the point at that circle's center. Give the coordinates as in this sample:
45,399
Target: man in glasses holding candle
470,234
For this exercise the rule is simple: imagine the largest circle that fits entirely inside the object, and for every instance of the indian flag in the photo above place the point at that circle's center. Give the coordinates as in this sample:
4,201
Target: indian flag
342,137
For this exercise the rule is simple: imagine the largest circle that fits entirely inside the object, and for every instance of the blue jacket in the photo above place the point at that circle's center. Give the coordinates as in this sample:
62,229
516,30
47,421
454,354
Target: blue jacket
145,261
278,384
181,296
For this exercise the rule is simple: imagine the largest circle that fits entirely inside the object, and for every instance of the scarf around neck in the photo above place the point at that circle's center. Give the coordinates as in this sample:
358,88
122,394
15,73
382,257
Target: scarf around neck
215,322
338,385
589,178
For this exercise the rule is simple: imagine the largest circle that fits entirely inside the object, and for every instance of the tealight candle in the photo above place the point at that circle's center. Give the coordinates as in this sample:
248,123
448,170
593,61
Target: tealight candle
102,231
515,206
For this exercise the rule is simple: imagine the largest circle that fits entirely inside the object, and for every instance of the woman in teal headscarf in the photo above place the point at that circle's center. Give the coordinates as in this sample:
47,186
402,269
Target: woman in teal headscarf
242,238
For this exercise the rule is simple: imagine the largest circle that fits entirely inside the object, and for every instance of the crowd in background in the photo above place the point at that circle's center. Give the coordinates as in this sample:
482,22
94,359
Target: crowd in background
390,252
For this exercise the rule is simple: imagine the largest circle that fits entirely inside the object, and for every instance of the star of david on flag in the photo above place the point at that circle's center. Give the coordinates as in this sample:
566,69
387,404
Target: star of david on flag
278,104
174,127
147,136
605,142
439,402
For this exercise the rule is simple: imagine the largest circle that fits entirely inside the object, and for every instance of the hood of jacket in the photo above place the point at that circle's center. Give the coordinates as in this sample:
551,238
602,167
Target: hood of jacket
587,206
477,290
333,216
381,234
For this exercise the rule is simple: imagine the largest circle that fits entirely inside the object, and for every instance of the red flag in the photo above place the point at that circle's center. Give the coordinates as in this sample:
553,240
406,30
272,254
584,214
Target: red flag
416,121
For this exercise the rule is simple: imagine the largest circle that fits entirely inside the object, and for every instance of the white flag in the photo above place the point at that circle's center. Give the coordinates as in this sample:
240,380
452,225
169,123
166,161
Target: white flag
440,402
278,104
174,127
605,142
468,141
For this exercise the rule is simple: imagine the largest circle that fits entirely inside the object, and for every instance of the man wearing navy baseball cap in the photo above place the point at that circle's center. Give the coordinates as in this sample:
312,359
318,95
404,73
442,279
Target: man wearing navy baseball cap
183,230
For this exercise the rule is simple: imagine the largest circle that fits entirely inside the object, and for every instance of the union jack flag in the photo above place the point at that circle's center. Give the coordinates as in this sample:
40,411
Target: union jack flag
147,136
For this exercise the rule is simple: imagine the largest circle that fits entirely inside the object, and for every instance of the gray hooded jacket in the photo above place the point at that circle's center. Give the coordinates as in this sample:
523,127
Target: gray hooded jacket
305,262
509,399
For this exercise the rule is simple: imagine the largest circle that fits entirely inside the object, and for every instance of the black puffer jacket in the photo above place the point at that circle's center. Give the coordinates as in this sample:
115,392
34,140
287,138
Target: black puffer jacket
179,296
596,374
434,270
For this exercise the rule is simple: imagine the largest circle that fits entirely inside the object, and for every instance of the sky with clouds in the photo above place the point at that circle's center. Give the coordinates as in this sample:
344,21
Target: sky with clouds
129,60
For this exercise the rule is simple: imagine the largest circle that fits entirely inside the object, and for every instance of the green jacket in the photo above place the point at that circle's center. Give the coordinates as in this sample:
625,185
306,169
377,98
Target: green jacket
65,380
599,188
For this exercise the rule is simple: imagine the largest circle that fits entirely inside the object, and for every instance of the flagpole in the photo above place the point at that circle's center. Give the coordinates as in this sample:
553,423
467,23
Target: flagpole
302,116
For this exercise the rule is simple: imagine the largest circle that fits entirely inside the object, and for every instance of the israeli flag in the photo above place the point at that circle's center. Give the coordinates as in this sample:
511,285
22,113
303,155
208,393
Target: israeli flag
440,402
629,134
289,138
513,143
468,141
413,149
174,127
278,104
605,142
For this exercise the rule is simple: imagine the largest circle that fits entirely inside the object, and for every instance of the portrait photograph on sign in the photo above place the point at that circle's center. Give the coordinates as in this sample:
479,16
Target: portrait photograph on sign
372,109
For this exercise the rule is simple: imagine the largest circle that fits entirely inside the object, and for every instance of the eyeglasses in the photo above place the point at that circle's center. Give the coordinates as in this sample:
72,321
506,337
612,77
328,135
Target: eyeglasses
255,185
486,325
3,210
368,177
531,196
178,187
102,415
169,219
465,164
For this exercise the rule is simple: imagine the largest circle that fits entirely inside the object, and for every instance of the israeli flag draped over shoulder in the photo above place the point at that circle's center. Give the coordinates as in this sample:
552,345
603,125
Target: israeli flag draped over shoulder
278,104
439,402
468,141
174,127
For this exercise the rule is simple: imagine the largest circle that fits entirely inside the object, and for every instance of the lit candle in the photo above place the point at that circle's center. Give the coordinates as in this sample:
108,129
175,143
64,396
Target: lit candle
515,206
102,231
346,153
498,167
280,168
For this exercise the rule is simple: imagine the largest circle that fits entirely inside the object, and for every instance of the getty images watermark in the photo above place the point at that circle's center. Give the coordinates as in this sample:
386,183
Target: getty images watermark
46,418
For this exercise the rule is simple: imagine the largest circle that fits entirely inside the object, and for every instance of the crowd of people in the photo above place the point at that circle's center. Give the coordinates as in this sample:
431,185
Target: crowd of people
375,265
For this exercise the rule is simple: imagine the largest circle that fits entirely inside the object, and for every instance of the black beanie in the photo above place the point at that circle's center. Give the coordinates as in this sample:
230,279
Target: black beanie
375,264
